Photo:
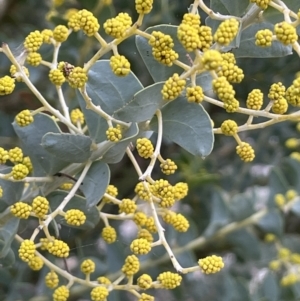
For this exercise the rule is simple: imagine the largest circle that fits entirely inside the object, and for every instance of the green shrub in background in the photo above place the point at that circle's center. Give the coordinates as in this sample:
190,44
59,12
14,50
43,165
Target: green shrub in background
68,233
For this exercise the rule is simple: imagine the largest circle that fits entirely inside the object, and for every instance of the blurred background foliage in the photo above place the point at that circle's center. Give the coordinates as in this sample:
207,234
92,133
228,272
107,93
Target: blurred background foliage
223,189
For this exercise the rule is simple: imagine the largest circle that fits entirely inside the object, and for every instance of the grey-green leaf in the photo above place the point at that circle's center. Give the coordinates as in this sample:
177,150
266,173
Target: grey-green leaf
229,7
143,105
77,202
68,147
158,71
31,136
188,125
95,183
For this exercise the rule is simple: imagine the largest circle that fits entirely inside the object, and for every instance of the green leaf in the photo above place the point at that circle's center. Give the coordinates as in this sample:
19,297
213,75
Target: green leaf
68,147
247,47
205,81
12,191
272,222
8,228
229,7
219,216
143,105
158,71
95,183
117,151
108,91
77,202
188,125
31,136
244,244
7,260
268,288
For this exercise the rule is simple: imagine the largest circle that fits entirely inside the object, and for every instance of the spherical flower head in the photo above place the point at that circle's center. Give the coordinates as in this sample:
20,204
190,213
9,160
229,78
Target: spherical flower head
75,217
143,7
51,279
131,265
229,127
289,279
227,31
103,280
228,57
165,57
231,105
33,41
1,192
181,190
127,206
284,253
212,59
66,186
34,59
269,237
255,99
173,87
61,293
279,200
233,73
165,191
168,217
87,266
144,233
112,191
291,194
88,23
263,38
150,224
295,156
292,143
58,248
142,191
223,89
125,19
168,167
191,20
161,41
169,280
144,281
36,263
194,94
21,210
211,264
18,76
285,33
140,218
99,293
114,134
276,91
280,106
295,258
180,223
261,3
109,234
19,172
7,85
24,118
188,37
293,96
40,206
27,250
140,246
47,35
77,117
60,33
245,151
120,65
57,77
275,265
205,37
15,155
77,77
144,147
114,28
